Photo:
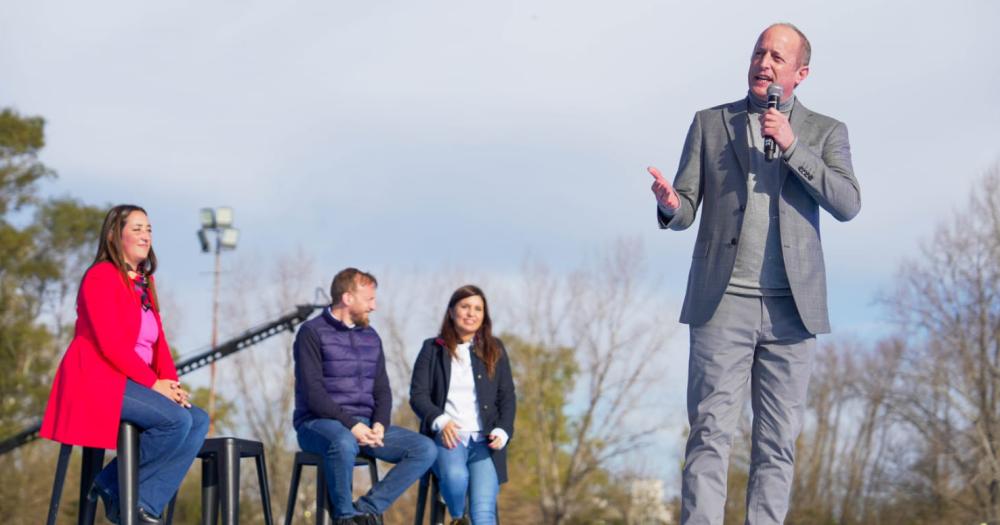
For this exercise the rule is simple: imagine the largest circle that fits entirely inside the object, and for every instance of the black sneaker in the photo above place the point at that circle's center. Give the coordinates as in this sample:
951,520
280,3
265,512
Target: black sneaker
368,519
464,520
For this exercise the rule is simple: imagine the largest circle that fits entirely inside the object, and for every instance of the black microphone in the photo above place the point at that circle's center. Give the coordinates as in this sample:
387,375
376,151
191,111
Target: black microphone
774,93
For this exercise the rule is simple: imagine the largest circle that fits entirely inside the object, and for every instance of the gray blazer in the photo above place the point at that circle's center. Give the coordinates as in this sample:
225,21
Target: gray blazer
713,172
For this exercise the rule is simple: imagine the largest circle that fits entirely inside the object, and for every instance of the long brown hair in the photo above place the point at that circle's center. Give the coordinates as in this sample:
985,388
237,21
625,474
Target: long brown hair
109,248
484,344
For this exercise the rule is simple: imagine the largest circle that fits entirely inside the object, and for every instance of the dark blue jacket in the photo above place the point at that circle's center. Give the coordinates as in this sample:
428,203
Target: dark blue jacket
495,395
340,373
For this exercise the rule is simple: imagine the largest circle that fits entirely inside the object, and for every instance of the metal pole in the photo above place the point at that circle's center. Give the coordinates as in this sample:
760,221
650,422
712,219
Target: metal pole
215,333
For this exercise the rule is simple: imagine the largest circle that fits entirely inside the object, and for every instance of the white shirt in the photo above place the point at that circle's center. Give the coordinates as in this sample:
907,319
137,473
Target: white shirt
462,406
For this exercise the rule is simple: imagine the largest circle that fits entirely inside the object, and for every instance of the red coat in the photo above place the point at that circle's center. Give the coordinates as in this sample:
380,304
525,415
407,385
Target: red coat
86,400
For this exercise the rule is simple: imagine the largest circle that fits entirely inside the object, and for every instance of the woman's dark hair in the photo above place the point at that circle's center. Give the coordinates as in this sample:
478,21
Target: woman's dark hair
484,344
109,248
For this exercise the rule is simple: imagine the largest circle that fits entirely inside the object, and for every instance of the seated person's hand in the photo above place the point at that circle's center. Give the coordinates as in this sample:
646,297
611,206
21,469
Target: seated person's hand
497,439
378,431
449,435
172,390
365,436
183,397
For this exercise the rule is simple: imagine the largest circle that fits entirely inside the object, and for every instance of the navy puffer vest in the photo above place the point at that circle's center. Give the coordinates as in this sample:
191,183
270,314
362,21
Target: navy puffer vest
350,361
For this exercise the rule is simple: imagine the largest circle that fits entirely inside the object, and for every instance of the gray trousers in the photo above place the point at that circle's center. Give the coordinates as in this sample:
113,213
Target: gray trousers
760,342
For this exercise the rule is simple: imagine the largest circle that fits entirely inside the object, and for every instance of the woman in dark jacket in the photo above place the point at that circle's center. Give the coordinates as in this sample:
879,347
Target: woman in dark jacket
463,392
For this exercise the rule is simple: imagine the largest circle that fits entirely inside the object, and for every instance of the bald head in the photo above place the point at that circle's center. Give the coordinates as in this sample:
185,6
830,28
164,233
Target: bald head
781,57
805,48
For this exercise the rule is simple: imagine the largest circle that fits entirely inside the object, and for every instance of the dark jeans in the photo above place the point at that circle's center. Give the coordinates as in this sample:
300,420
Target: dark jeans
412,453
171,438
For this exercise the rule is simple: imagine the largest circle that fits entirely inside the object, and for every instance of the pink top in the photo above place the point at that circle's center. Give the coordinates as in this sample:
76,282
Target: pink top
149,331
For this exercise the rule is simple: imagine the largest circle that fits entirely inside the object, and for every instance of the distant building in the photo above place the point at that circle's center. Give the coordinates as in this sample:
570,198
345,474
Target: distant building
646,503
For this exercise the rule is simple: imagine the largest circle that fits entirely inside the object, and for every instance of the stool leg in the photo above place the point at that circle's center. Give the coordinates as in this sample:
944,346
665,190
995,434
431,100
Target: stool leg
437,507
322,498
209,490
93,461
169,518
265,491
57,483
373,472
229,474
418,518
128,473
293,492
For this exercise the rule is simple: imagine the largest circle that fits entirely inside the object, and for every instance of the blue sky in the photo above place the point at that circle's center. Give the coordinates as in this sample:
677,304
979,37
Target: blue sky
463,134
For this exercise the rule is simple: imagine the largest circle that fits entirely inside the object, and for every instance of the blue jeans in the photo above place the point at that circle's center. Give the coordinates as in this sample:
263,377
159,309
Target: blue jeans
468,468
170,439
411,452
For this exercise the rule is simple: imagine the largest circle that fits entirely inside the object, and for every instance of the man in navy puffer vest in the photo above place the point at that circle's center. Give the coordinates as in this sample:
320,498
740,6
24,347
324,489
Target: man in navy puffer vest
343,402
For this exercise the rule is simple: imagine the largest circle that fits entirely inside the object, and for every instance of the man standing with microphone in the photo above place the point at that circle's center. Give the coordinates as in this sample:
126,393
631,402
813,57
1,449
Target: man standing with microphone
756,293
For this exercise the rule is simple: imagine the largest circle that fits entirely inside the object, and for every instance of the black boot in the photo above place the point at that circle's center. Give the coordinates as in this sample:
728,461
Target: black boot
110,503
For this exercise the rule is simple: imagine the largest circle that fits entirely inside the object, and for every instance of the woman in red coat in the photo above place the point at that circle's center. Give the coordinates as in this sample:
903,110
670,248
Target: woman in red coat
118,367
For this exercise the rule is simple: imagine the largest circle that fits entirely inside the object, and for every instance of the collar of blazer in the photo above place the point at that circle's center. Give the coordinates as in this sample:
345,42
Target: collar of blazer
734,115
478,366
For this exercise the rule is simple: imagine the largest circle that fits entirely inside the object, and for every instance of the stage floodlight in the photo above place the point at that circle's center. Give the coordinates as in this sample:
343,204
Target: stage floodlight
224,217
228,238
207,218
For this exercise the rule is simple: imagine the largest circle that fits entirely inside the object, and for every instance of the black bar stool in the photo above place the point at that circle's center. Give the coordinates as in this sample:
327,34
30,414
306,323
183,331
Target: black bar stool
323,505
93,462
220,479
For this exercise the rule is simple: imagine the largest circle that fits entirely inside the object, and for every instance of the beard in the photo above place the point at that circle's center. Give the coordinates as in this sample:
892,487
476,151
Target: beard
360,319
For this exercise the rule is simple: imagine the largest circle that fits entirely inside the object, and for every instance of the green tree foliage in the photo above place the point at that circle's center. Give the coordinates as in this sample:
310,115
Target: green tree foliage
42,242
45,243
39,271
21,138
539,464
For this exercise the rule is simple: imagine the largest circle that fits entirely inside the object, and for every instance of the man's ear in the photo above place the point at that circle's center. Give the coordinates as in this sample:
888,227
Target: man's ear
801,75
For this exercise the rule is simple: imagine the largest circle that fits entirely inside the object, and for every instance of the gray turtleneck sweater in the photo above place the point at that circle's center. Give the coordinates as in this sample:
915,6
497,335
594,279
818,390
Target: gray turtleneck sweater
759,268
